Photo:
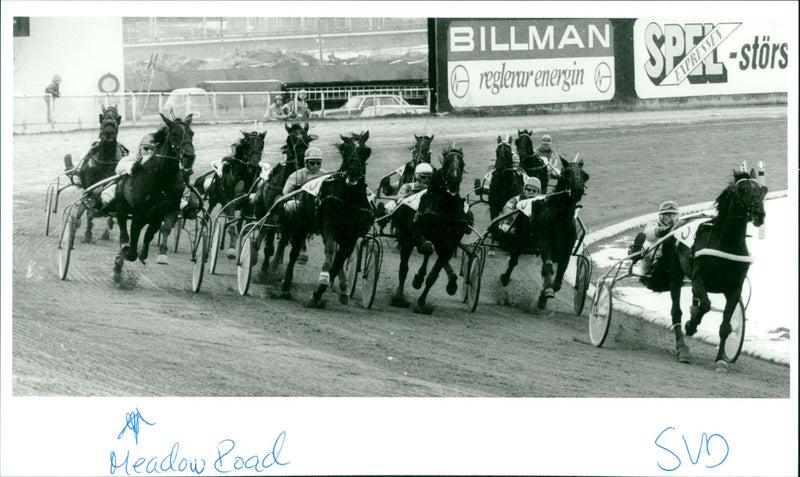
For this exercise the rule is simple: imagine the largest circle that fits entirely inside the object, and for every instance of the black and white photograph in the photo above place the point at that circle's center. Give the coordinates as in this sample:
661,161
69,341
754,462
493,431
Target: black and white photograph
257,238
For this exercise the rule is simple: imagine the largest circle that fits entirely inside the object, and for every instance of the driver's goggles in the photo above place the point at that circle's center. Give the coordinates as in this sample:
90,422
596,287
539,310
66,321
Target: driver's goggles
313,162
531,190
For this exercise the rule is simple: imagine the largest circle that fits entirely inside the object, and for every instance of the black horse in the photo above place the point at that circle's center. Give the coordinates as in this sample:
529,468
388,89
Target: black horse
267,192
717,261
506,180
344,212
420,152
555,229
99,163
529,161
442,221
153,189
240,171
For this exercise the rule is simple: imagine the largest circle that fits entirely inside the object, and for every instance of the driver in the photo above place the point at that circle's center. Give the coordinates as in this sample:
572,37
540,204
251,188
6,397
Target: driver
422,178
312,169
668,214
532,188
99,199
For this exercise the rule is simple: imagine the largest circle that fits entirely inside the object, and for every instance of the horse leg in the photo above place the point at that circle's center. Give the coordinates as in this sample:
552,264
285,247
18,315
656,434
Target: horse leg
342,253
700,306
452,279
129,252
330,254
288,276
166,228
107,232
676,313
278,256
398,299
230,252
87,238
423,307
731,302
423,270
547,284
152,228
563,263
513,260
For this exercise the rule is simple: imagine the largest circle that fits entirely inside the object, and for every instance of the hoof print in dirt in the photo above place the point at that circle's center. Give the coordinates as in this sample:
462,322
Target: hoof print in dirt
399,302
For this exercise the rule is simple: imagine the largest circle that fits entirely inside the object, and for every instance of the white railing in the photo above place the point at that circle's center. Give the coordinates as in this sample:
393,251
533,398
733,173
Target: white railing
81,111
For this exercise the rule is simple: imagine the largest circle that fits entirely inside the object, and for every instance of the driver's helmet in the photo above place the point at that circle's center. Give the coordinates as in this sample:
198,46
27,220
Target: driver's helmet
532,188
515,160
279,100
147,145
423,173
313,159
546,142
668,213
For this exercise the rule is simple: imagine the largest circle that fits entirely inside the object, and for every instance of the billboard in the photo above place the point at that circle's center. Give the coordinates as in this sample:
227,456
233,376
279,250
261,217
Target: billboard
708,57
500,62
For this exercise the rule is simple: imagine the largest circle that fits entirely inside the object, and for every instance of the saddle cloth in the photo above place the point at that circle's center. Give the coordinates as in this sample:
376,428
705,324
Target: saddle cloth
526,205
685,234
412,201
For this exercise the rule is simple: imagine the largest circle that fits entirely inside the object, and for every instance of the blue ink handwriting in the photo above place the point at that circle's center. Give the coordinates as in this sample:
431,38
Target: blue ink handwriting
705,441
225,460
132,420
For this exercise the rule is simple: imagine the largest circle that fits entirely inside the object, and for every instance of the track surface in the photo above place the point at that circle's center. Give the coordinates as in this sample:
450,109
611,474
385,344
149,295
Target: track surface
154,337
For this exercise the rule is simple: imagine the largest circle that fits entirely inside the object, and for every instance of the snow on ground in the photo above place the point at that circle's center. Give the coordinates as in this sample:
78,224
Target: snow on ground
772,307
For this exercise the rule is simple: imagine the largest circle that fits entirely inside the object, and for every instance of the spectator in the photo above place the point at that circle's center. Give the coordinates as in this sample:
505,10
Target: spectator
299,108
277,110
53,91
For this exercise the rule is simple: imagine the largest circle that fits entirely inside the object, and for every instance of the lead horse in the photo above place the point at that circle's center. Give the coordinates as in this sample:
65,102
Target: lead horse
718,260
153,189
344,213
555,227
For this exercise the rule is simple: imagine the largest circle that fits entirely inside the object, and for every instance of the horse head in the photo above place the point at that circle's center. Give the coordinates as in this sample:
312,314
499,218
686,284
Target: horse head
250,148
177,139
297,142
524,143
572,179
355,154
743,199
421,150
110,113
452,168
502,153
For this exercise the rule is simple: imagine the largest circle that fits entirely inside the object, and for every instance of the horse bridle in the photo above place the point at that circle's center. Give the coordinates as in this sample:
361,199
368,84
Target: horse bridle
178,149
294,143
419,155
744,204
355,157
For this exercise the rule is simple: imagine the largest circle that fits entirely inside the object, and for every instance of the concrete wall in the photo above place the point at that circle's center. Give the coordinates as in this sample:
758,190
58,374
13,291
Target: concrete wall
81,50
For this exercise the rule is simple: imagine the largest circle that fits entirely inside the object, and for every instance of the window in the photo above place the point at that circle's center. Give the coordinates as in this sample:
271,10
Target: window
388,101
369,102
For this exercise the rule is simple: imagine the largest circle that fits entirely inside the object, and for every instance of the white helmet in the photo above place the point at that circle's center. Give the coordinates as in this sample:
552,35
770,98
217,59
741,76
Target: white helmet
422,173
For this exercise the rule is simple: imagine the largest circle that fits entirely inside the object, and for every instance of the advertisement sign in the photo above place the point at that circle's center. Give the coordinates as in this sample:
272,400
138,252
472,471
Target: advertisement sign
493,62
696,58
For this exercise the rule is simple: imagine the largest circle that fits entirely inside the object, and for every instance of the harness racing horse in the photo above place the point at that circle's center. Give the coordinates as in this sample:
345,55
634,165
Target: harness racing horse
529,161
153,189
717,261
239,173
420,152
555,227
98,164
506,181
442,220
345,214
297,142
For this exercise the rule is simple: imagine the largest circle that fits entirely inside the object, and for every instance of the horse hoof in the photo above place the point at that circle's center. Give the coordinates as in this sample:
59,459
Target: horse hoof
117,276
318,304
504,279
417,281
721,366
162,259
691,328
106,236
399,302
556,287
452,287
324,278
230,254
302,259
683,354
549,293
344,299
129,254
423,309
87,239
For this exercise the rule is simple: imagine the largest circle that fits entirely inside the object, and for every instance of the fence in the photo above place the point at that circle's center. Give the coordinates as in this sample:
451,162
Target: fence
82,111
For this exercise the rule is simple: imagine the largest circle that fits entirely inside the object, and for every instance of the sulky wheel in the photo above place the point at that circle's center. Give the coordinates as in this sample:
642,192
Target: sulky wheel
245,262
600,314
217,233
50,206
66,242
582,276
351,268
473,279
369,269
735,340
199,256
463,271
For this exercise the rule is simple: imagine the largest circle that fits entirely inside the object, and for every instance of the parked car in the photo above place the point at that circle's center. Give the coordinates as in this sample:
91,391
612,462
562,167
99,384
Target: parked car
371,105
189,100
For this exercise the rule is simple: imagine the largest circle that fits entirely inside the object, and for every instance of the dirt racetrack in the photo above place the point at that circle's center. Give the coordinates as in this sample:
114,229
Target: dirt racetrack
88,337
